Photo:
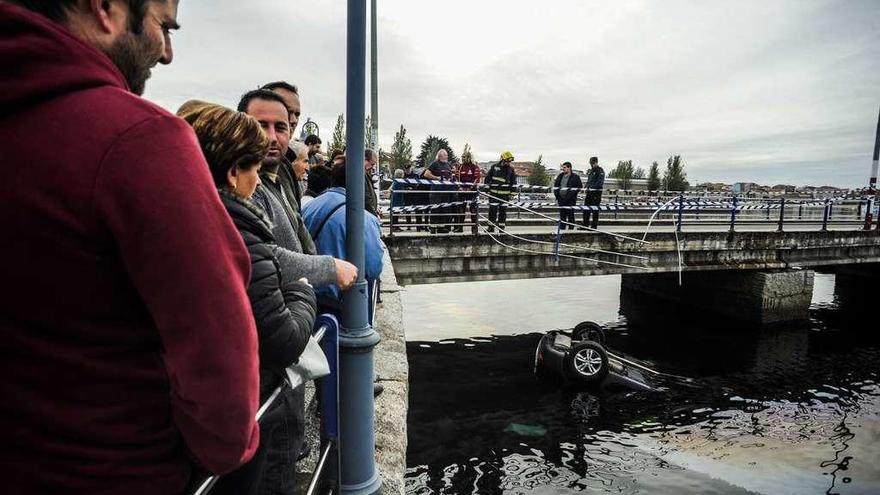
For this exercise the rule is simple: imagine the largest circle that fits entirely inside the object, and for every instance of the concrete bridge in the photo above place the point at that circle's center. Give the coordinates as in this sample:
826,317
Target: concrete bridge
756,275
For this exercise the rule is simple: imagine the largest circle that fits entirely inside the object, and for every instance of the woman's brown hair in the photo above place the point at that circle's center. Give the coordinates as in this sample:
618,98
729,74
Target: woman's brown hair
229,139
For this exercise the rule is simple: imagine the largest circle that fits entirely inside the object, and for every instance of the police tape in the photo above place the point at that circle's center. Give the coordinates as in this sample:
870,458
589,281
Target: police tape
707,206
524,187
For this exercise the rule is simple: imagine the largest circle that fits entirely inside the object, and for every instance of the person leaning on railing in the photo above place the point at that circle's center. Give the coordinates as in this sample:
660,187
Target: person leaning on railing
284,309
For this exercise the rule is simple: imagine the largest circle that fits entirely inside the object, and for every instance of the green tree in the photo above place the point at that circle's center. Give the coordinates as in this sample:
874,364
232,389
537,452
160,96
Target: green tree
639,173
401,150
540,176
337,142
654,177
434,143
624,174
675,178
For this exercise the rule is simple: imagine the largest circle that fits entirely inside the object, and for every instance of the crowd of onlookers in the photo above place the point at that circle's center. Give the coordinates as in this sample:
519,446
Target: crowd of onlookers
437,207
166,269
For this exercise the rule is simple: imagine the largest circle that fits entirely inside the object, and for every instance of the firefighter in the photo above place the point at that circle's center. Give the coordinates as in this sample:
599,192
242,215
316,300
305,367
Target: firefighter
501,180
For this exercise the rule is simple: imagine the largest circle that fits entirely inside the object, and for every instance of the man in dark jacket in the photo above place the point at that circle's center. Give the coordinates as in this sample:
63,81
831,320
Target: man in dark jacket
440,170
129,348
501,180
595,183
371,201
566,188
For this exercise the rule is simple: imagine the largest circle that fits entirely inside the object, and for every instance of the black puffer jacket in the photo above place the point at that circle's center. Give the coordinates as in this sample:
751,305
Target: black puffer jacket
283,309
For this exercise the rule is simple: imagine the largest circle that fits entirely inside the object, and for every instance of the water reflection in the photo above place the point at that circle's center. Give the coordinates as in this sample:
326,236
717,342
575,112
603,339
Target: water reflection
791,410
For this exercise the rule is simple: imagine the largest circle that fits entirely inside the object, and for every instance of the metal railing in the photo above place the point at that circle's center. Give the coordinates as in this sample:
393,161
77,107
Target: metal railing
445,210
326,475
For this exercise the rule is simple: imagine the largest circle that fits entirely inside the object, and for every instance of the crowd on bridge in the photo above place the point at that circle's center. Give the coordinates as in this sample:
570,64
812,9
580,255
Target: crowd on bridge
427,203
168,269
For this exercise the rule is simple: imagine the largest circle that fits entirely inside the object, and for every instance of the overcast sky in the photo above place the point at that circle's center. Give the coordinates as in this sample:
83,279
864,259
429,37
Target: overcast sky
771,91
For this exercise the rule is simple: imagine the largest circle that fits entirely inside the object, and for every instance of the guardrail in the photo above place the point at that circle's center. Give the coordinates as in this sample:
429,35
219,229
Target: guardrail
444,210
326,475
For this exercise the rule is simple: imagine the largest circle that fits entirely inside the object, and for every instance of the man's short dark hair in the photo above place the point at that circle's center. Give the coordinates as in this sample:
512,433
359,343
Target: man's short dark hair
57,10
368,154
339,174
312,139
566,164
258,94
272,86
593,160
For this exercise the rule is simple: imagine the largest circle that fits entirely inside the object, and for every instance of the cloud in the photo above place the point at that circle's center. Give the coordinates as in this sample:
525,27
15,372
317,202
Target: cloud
782,91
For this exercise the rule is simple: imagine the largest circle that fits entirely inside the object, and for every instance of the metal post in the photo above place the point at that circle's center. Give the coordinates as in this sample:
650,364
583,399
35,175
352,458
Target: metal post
825,217
872,183
680,211
391,218
781,214
733,215
616,201
374,79
329,390
869,214
356,340
558,236
801,210
518,200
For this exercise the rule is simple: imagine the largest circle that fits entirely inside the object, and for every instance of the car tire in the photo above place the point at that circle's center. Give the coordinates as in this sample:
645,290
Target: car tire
587,362
587,330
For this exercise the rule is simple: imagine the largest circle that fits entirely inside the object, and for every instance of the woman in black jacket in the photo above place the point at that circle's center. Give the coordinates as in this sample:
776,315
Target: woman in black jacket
283,307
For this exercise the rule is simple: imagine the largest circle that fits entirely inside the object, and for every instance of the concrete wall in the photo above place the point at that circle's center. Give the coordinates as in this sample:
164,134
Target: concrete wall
392,369
756,296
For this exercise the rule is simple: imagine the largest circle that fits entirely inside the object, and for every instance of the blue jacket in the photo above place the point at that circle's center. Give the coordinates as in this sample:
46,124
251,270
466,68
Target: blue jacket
398,198
331,239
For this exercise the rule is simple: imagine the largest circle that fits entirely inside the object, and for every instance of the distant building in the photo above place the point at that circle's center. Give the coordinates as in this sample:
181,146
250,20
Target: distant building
711,187
743,187
783,188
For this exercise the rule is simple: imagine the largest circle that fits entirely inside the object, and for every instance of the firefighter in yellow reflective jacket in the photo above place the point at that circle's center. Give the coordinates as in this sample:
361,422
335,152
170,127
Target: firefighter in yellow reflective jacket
501,180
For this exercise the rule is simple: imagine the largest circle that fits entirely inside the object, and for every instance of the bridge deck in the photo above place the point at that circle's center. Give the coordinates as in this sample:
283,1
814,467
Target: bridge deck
423,258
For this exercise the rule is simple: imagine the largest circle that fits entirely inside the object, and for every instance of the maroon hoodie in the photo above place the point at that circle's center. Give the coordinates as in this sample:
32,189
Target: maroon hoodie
127,345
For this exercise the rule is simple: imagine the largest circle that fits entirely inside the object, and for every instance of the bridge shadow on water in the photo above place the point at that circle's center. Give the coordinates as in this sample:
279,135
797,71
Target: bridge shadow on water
481,422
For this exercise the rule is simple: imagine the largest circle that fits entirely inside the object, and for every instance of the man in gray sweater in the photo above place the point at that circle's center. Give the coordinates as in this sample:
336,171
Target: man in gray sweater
321,271
270,111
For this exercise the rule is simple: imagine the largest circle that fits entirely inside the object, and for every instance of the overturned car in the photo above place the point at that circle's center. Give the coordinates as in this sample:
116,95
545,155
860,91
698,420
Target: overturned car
579,355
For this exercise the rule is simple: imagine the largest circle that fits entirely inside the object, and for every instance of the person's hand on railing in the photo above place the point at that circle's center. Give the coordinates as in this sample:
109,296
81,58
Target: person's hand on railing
346,274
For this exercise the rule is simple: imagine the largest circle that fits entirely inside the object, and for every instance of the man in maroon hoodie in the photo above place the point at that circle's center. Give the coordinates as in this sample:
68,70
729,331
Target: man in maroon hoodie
127,345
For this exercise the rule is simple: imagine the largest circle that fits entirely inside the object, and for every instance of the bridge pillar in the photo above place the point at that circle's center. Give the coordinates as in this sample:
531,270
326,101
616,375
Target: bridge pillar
756,296
856,287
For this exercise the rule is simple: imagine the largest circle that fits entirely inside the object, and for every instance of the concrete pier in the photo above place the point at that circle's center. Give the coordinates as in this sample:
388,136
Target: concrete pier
755,296
856,288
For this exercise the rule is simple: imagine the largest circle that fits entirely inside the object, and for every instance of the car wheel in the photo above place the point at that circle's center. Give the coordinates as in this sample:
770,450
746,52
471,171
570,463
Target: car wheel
587,362
587,330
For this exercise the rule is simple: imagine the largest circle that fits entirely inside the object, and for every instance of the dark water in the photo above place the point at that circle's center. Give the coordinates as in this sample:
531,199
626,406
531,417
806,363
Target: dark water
783,410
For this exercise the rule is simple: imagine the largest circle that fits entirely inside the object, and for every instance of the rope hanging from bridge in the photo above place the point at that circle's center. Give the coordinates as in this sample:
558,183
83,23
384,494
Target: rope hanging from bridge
563,255
561,244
